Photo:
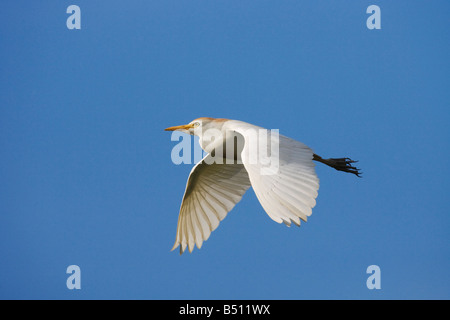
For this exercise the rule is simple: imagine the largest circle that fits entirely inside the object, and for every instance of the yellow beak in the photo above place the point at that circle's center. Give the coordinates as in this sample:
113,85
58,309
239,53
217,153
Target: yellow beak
183,127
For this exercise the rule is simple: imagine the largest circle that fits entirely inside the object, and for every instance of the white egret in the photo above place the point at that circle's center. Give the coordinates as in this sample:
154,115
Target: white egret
238,154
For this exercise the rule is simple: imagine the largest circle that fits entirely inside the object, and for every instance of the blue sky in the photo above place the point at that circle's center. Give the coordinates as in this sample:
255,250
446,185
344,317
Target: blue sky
85,165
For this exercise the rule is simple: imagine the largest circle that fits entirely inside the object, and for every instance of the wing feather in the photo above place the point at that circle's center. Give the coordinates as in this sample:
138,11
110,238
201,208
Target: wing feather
288,193
211,192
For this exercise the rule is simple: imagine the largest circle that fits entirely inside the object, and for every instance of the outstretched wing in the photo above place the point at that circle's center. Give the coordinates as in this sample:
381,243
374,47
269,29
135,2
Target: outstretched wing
281,172
212,190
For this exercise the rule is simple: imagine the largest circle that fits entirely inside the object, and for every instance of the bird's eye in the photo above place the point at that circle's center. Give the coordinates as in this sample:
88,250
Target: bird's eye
196,124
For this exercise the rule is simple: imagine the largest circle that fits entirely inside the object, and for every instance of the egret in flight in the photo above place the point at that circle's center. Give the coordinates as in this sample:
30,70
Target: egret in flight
239,156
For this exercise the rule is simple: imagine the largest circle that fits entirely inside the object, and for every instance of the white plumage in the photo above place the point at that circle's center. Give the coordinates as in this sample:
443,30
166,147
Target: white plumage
211,192
280,170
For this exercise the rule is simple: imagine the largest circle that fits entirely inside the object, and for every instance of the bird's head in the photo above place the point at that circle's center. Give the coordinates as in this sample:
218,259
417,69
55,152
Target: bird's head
199,126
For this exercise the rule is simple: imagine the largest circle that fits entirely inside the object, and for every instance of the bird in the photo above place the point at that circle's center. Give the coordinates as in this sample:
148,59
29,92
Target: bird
240,155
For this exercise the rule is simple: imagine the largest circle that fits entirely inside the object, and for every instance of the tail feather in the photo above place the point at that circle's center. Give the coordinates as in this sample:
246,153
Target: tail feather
341,164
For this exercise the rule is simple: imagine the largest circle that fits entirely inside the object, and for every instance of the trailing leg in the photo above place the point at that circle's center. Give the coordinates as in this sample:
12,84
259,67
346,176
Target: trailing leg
341,164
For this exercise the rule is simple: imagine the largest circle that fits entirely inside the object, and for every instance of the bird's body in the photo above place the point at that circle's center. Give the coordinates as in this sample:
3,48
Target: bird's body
241,155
